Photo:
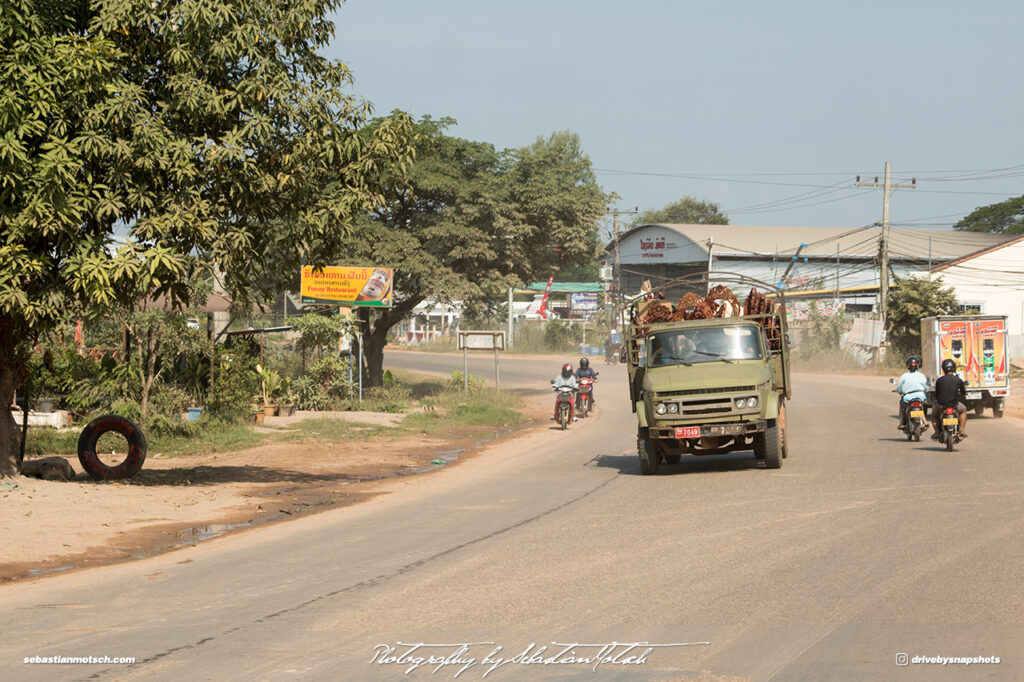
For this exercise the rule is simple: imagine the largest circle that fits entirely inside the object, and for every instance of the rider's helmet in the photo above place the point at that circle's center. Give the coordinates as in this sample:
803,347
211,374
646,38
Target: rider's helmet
566,370
948,366
584,363
913,363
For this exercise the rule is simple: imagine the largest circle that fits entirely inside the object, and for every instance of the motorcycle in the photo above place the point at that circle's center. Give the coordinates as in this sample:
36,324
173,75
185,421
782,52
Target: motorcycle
584,396
916,421
950,428
564,405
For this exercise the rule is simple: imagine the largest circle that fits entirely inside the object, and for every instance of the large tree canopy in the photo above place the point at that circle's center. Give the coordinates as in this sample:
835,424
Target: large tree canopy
687,210
468,221
210,134
1006,217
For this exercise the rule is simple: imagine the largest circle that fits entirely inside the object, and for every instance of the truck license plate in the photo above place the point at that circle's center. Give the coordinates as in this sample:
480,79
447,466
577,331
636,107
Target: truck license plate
687,432
950,421
916,414
974,395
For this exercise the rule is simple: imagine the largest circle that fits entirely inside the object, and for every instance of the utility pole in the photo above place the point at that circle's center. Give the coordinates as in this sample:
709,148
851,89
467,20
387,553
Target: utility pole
618,272
883,281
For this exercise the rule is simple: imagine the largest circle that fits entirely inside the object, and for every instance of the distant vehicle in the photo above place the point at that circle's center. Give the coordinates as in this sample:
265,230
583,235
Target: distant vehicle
978,346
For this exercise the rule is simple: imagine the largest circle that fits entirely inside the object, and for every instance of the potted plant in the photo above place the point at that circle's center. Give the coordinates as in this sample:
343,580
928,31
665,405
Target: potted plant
270,383
287,398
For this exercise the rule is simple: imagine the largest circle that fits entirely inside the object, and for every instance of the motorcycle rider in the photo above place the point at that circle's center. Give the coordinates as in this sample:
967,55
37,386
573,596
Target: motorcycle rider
950,391
912,385
587,371
565,378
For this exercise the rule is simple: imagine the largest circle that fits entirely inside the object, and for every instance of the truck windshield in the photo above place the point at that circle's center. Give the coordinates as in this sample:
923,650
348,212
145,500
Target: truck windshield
708,344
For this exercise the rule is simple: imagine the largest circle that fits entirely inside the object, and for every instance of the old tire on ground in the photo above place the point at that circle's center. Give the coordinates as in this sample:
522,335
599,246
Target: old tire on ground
773,447
87,448
650,458
673,459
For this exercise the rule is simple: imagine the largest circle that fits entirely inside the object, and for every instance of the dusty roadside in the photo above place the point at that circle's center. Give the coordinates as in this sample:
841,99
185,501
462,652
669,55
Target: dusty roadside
50,527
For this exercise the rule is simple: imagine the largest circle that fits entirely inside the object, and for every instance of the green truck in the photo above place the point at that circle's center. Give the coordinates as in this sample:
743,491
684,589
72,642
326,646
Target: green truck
713,385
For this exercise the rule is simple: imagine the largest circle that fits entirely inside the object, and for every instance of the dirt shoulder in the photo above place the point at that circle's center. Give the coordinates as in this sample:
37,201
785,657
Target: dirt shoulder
50,527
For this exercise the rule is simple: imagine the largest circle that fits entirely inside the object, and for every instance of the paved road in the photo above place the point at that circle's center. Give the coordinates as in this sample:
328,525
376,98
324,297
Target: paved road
862,547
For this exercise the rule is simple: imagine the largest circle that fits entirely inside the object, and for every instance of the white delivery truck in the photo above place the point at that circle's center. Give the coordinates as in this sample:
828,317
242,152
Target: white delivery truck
978,345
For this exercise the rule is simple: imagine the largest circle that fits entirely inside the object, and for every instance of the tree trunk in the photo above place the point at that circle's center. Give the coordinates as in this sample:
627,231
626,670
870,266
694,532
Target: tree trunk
377,337
149,349
14,345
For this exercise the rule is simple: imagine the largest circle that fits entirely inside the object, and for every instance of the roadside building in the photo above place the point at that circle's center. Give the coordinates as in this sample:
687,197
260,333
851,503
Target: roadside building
990,281
840,264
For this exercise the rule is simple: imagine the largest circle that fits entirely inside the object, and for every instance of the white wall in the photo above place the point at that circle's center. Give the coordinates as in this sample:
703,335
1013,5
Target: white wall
996,281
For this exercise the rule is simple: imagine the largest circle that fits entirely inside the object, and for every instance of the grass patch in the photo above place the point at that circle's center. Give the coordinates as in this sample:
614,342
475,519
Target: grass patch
445,409
486,408
332,430
210,437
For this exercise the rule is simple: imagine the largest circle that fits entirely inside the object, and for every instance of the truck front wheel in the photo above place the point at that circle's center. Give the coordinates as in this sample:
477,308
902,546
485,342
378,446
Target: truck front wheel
768,446
650,458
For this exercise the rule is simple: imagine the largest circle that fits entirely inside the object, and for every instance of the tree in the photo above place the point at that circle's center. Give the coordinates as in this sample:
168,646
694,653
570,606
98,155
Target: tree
687,210
468,221
1005,217
211,136
914,299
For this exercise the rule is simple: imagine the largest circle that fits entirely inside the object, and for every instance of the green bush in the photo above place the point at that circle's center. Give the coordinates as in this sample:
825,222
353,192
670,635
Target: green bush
394,399
457,382
324,386
236,385
167,405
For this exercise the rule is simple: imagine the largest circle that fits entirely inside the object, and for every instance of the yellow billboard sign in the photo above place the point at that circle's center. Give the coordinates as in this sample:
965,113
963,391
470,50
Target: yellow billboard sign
348,286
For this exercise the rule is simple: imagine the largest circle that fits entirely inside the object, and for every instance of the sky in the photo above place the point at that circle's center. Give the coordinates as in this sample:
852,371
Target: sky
769,109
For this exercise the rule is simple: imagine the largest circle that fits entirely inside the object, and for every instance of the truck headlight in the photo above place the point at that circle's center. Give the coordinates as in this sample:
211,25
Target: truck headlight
746,403
673,408
661,409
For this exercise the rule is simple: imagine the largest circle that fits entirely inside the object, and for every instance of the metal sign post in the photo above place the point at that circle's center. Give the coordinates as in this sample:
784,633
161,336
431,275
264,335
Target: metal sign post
480,341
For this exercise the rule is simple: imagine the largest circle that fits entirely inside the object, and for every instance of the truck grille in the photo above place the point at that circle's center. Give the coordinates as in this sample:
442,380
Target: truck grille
704,391
694,407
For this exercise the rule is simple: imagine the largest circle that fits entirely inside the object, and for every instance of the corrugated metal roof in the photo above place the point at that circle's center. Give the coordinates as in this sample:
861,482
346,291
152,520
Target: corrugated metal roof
822,242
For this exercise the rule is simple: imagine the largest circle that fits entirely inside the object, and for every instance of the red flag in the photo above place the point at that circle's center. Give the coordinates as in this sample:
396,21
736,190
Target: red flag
544,301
